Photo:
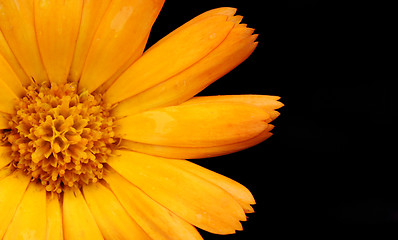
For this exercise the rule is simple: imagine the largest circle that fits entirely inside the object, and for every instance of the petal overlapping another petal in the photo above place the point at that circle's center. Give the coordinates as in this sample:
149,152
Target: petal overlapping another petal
54,217
196,152
266,102
142,208
17,25
9,78
119,40
78,222
195,125
269,104
12,190
7,96
173,54
9,56
239,192
113,220
57,25
234,49
92,14
5,158
29,221
3,121
225,11
192,198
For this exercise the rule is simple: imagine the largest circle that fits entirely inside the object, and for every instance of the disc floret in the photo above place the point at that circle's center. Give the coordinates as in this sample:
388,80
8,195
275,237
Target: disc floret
59,137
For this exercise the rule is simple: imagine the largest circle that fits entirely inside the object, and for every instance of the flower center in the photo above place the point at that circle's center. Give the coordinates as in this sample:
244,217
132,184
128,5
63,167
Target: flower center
59,137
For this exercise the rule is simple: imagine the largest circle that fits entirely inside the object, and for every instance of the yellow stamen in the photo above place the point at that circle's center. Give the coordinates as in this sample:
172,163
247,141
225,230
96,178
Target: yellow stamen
59,137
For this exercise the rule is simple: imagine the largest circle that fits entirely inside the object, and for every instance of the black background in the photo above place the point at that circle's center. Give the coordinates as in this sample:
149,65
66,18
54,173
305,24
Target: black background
330,166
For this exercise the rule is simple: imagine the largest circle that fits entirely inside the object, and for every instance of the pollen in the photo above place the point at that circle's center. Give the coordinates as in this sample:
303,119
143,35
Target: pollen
59,137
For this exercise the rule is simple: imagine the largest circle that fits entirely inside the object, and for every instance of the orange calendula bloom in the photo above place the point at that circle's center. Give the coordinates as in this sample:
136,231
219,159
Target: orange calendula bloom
94,132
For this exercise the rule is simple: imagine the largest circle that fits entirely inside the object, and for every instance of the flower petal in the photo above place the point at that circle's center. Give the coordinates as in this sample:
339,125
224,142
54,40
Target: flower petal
4,121
4,172
12,189
54,218
112,219
77,219
7,98
17,25
192,198
171,56
5,157
9,78
120,39
238,46
57,25
8,55
224,11
29,221
240,193
196,125
142,209
266,102
92,13
196,152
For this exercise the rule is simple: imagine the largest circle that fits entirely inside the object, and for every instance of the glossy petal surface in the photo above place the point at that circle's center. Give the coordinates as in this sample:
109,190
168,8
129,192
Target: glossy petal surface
119,40
170,57
29,221
192,198
57,24
17,25
215,124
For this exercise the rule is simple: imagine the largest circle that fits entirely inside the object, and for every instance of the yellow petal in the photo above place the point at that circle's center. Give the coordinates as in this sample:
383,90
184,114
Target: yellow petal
110,216
77,219
224,11
235,19
12,189
4,121
54,218
8,55
119,40
192,198
17,25
265,102
9,78
238,45
159,222
5,157
57,25
196,152
172,56
8,98
4,172
92,13
240,193
196,125
29,221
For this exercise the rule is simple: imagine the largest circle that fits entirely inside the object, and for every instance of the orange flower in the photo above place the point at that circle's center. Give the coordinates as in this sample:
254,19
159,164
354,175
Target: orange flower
94,132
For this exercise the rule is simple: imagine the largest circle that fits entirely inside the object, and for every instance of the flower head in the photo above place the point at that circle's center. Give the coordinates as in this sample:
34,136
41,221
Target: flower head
94,132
